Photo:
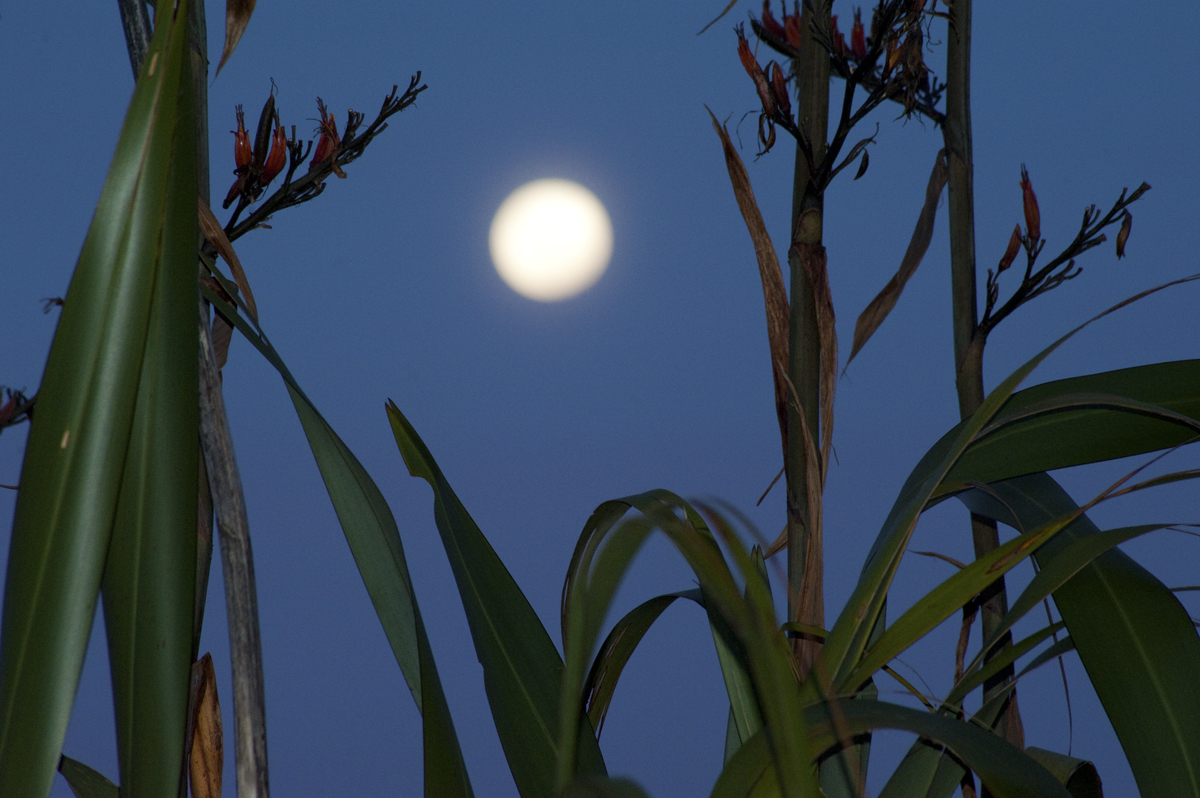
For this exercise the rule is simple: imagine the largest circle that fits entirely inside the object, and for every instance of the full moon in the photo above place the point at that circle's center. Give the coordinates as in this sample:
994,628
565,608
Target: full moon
551,240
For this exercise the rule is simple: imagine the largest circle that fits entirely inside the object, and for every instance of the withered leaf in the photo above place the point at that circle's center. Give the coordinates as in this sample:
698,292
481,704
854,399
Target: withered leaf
732,3
207,757
882,304
774,294
237,17
811,258
216,235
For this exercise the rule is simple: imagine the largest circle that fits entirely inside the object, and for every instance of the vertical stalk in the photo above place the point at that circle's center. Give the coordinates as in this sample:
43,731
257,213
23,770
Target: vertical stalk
804,550
968,339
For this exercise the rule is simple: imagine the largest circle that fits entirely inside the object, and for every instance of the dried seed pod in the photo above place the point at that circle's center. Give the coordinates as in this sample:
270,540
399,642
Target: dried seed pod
1123,235
779,89
262,136
1033,218
862,166
1010,254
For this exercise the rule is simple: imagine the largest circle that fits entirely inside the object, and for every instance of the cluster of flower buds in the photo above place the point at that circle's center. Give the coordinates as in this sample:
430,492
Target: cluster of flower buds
257,164
1033,226
772,91
789,31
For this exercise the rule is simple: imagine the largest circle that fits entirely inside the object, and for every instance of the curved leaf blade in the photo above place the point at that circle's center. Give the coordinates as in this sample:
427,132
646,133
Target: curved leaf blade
523,671
77,451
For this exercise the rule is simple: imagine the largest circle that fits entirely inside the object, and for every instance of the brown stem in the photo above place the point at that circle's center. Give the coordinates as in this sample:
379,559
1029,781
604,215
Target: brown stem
805,586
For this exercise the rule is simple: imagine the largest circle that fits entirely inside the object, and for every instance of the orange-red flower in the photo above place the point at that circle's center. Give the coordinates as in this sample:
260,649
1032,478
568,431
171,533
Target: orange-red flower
242,151
770,24
1033,218
278,156
858,39
329,140
755,71
791,29
1010,254
839,41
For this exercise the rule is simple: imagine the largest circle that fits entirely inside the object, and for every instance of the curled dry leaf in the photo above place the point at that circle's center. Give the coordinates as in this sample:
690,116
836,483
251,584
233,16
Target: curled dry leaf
882,304
237,17
216,236
769,271
207,758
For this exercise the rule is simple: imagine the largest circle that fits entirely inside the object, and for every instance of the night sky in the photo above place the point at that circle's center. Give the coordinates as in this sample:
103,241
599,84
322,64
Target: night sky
657,377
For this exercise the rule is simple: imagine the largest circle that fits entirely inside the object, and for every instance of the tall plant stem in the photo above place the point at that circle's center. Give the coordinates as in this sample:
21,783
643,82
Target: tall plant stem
805,587
968,338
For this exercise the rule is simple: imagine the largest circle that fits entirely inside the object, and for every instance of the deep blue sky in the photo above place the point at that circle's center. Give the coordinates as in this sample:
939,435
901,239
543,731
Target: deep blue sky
657,377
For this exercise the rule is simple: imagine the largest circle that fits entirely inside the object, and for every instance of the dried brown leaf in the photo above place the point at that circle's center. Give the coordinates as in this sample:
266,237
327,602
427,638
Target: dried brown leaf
237,17
881,305
774,294
812,260
207,758
732,3
216,236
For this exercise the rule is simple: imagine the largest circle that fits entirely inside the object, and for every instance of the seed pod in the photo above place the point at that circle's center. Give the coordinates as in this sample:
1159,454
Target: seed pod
1010,254
862,166
1123,235
1033,218
262,137
780,90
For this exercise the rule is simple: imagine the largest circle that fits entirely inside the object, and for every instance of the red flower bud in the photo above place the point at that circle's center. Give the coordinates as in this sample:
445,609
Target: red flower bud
1010,254
858,40
1033,219
1123,235
329,140
242,152
278,157
770,24
755,72
839,41
779,89
791,29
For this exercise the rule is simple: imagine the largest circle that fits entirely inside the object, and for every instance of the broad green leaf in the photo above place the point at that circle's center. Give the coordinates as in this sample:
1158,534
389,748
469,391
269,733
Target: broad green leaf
134,274
749,773
522,670
1087,434
1134,638
85,782
374,540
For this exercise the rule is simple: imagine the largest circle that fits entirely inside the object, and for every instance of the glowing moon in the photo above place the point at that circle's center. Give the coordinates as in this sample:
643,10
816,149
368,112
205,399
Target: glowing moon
551,240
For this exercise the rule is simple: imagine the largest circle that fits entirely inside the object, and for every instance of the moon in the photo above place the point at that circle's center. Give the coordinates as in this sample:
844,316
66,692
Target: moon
551,240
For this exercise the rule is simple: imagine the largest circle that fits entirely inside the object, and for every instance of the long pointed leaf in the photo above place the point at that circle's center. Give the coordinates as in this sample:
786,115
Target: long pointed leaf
522,670
77,450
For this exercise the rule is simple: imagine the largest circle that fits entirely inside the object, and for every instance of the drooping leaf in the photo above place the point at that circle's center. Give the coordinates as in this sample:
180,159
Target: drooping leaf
522,669
374,540
237,17
1078,775
774,293
118,332
216,236
879,308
